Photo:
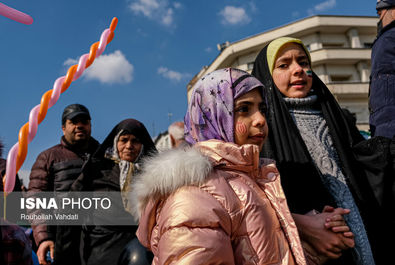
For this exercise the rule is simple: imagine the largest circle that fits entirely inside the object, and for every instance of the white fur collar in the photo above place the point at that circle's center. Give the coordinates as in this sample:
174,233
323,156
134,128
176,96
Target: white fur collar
166,172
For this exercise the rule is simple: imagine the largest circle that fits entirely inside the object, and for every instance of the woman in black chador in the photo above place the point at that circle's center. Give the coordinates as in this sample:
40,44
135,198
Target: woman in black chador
111,169
310,138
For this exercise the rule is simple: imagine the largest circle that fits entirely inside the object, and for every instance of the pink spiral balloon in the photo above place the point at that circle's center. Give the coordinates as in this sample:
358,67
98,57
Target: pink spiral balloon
18,151
15,14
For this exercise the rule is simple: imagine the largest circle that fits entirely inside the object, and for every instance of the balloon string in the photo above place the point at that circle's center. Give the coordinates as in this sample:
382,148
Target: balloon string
18,152
5,206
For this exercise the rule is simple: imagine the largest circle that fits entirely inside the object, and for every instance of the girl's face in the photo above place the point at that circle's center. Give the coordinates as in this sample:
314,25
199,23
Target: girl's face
292,72
249,119
129,147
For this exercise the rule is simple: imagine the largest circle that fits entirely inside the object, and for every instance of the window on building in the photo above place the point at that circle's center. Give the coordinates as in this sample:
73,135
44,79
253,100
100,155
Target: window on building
340,78
332,45
250,66
368,45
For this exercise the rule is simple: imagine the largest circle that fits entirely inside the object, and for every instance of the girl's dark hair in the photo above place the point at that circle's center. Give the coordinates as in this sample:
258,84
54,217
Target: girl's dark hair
1,148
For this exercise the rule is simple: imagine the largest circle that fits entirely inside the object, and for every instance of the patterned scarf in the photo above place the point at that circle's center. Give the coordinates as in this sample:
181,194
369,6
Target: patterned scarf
210,110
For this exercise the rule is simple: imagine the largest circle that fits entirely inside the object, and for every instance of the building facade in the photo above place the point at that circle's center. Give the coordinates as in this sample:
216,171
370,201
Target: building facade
340,48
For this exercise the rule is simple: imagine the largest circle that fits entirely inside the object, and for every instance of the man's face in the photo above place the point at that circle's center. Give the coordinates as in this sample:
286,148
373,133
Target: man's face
386,15
77,130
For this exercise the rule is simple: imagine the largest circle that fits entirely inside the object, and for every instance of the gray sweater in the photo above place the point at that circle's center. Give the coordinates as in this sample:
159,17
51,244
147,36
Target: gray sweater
315,133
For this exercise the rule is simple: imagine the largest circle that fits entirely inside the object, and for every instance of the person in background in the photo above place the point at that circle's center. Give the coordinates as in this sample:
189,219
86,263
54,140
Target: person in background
55,169
15,246
382,77
310,138
111,170
176,134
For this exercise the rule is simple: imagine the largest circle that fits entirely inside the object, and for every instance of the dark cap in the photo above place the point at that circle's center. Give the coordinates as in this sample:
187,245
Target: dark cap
74,110
384,4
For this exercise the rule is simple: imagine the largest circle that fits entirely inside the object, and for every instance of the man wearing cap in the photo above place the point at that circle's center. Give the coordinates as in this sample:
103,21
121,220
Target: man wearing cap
56,169
382,78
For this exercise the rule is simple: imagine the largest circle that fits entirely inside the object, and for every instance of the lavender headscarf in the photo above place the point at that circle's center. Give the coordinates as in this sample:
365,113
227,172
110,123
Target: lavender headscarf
210,110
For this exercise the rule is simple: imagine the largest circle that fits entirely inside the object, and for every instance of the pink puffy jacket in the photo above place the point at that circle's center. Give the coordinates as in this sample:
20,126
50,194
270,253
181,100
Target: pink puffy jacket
214,204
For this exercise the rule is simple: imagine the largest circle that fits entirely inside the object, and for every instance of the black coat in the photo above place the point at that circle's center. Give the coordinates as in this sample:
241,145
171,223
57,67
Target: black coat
377,157
104,244
56,169
382,84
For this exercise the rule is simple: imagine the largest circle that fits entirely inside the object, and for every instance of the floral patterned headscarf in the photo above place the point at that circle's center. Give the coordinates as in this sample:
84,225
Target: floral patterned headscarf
210,110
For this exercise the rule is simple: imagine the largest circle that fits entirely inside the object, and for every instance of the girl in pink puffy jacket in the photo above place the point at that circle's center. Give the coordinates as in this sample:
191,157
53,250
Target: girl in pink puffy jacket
217,202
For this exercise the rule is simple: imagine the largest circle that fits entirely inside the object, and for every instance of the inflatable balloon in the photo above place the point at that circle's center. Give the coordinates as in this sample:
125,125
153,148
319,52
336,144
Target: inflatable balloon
17,154
15,14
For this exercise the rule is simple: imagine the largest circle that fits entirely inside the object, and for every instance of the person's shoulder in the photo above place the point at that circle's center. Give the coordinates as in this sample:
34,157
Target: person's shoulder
166,172
51,150
93,143
387,38
388,35
175,168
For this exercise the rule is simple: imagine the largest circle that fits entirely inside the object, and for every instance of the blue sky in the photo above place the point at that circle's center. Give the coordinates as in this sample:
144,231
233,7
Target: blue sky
159,45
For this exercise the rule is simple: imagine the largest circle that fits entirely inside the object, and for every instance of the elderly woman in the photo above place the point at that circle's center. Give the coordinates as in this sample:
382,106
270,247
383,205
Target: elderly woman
311,140
111,169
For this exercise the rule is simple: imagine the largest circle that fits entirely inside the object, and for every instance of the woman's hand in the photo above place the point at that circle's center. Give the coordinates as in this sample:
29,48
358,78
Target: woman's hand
336,222
326,242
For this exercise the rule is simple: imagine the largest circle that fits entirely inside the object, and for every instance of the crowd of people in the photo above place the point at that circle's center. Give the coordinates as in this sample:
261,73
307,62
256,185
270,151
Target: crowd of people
266,168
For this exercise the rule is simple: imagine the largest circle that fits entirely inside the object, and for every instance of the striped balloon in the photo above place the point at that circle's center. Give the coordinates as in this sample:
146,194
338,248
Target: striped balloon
17,154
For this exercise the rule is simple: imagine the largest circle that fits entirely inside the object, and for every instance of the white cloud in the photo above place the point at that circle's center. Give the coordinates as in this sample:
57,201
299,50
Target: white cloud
234,15
253,7
177,5
157,10
108,68
147,7
295,14
70,61
167,18
172,75
208,49
323,6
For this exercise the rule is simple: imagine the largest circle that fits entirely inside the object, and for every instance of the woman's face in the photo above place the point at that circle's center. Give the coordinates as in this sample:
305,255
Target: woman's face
292,72
249,119
129,147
